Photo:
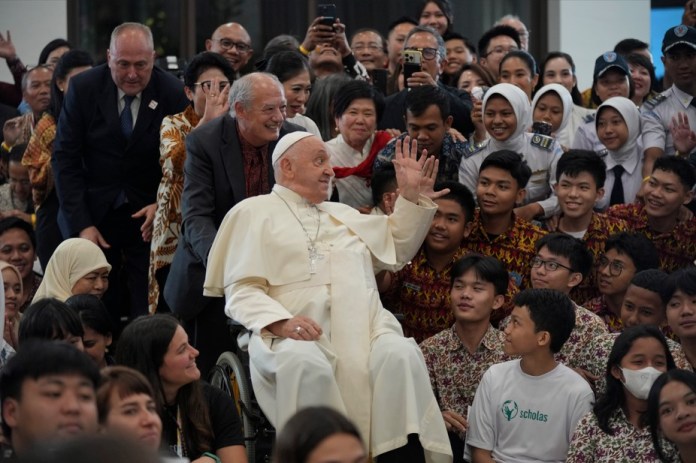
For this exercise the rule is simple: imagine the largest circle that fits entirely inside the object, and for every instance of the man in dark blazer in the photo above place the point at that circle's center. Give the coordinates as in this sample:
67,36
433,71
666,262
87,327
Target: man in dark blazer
426,40
227,160
106,159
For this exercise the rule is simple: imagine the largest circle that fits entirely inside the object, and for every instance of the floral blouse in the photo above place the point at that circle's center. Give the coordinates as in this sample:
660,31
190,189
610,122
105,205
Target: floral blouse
167,222
626,444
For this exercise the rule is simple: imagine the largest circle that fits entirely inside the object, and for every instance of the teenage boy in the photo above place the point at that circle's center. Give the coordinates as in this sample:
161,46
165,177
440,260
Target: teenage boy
580,177
496,231
47,393
458,357
644,304
659,216
527,409
625,255
384,194
420,290
562,263
680,291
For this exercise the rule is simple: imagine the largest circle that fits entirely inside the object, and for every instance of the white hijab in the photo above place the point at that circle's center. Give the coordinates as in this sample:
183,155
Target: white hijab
523,113
566,101
631,117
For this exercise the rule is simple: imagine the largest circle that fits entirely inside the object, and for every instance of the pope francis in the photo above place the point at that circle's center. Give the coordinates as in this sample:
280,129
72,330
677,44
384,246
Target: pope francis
299,273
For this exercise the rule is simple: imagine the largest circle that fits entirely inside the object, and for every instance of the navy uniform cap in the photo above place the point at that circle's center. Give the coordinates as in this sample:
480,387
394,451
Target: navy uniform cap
610,60
680,35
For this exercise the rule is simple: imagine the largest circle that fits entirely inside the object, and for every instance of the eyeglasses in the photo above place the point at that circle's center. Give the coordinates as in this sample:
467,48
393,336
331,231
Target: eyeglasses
501,51
549,265
206,84
428,53
615,266
227,44
369,46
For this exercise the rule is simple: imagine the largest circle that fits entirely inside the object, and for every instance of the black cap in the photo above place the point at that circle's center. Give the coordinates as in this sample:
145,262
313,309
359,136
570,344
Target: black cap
610,60
680,35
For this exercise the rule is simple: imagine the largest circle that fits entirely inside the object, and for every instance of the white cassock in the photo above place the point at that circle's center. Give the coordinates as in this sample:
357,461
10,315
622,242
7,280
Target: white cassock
362,366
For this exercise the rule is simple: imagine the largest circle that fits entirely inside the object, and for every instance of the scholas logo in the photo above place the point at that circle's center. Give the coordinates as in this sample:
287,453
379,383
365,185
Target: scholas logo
511,410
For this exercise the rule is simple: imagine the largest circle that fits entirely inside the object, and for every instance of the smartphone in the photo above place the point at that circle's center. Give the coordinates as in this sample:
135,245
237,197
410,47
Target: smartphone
412,63
328,12
542,128
379,79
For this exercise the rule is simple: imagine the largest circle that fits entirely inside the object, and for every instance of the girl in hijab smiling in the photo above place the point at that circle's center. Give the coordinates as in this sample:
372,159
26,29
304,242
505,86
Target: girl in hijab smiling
78,266
507,117
553,104
618,128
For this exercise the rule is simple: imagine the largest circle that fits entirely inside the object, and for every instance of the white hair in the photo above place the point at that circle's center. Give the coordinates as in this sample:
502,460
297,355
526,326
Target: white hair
242,90
121,28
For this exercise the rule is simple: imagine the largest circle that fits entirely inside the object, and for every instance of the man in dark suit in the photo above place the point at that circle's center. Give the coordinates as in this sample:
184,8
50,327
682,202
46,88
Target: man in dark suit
433,60
227,160
106,159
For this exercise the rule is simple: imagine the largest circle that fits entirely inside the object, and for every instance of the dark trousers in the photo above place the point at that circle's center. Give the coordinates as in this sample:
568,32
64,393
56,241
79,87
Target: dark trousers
48,235
129,257
412,452
210,334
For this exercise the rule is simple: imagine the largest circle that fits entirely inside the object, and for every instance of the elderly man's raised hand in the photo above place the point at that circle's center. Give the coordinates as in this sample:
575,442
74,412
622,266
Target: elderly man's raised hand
414,175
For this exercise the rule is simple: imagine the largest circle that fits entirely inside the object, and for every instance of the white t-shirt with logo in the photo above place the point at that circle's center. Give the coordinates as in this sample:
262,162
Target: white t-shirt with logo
525,418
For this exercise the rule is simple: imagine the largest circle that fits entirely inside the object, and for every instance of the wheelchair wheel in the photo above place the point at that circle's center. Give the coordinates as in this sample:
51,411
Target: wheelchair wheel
230,376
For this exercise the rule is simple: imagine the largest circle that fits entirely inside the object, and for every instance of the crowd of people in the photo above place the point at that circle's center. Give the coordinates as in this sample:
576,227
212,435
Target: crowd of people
442,250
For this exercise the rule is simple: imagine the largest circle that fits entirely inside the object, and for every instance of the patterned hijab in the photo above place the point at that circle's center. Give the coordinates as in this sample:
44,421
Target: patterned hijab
73,259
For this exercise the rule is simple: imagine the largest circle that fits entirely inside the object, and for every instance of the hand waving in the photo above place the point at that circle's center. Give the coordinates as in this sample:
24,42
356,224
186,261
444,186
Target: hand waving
414,175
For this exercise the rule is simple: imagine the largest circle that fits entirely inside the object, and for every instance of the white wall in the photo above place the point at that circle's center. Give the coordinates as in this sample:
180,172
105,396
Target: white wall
587,28
32,23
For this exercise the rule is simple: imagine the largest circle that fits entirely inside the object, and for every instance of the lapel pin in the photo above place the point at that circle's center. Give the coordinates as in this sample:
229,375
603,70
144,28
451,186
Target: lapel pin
152,105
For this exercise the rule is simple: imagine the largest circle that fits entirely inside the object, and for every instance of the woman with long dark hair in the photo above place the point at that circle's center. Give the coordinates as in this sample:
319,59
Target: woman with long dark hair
672,414
314,434
199,421
616,427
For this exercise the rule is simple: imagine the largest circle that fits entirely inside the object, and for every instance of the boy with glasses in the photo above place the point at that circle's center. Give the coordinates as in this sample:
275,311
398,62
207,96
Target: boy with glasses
562,263
625,255
494,44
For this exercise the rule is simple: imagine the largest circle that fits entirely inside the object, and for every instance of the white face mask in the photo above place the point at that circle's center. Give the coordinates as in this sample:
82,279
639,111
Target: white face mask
639,382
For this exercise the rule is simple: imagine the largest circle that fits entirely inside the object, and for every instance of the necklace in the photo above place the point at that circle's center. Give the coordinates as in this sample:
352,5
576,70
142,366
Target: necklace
314,254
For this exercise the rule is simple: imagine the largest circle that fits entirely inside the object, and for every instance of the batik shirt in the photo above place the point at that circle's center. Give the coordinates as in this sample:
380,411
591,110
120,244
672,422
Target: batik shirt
455,373
626,444
450,157
422,295
514,248
677,248
599,306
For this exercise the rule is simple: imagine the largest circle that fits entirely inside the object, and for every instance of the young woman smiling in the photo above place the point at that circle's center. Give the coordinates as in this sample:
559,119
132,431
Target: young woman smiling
199,421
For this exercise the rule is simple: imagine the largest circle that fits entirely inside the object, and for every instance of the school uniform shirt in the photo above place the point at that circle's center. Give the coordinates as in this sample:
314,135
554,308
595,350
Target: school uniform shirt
657,114
629,156
539,151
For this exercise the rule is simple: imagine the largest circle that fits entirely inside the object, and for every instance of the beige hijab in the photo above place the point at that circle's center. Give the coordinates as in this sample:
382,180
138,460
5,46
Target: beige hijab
15,322
73,259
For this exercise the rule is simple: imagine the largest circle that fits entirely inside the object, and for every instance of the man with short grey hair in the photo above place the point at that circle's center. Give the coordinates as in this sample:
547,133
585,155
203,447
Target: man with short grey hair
227,160
516,23
106,159
429,43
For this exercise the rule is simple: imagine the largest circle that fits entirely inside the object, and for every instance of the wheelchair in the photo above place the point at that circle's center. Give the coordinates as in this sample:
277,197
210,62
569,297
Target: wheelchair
231,375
